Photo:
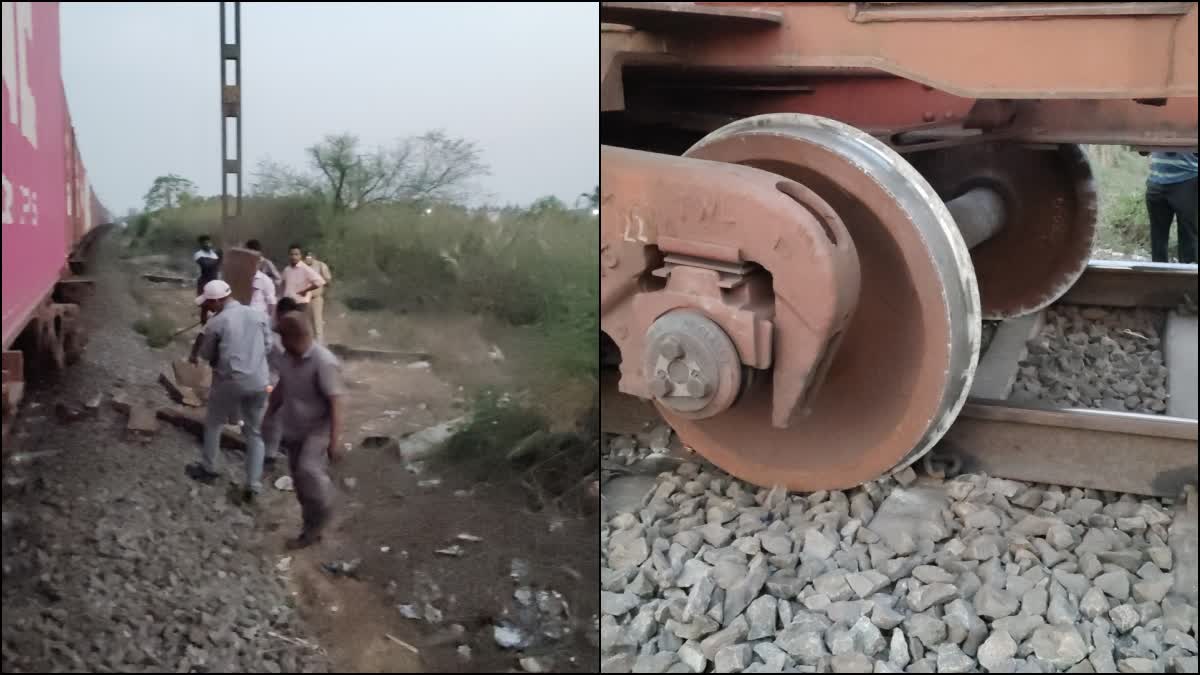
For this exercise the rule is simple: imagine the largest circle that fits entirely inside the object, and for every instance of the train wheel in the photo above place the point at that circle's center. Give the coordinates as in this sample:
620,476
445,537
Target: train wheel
49,343
73,336
1048,205
907,357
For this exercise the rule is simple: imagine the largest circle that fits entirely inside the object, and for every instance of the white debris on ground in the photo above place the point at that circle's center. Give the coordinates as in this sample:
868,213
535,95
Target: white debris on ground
1093,357
708,574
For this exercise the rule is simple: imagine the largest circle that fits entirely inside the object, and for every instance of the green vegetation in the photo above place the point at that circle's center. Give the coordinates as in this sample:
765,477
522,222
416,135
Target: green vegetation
506,440
156,328
531,267
168,192
496,425
1121,186
388,221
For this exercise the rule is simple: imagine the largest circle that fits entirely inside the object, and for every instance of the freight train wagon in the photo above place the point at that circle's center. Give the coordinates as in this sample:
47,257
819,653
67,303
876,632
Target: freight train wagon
809,209
51,214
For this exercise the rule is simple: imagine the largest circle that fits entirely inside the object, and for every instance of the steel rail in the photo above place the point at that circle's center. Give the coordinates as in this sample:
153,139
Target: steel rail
1115,283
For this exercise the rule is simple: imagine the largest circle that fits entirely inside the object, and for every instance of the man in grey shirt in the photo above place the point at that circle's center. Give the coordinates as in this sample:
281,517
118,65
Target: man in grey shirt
307,404
236,343
272,431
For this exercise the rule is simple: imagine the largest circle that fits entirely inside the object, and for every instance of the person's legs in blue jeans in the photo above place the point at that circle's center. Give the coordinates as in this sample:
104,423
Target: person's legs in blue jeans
253,406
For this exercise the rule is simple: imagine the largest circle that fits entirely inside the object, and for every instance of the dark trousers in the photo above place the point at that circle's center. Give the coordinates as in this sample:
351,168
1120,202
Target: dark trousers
1165,203
308,462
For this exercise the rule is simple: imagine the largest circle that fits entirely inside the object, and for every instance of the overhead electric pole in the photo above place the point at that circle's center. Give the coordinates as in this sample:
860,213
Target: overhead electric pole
231,108
238,264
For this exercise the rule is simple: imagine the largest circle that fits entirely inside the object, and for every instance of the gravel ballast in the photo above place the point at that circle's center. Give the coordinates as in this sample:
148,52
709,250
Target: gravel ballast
113,560
709,574
1096,357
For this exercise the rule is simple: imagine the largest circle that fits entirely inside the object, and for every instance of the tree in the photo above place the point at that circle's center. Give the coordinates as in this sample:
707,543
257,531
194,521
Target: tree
274,179
430,167
591,198
168,192
546,204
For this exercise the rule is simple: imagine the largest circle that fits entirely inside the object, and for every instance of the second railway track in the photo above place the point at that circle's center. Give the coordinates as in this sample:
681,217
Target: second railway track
1129,452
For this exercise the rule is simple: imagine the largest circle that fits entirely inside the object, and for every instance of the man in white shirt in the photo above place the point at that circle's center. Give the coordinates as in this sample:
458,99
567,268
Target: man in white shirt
262,295
300,280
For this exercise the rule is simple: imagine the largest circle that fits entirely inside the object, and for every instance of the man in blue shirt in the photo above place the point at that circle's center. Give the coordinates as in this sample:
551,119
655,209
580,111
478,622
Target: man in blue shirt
1171,194
237,343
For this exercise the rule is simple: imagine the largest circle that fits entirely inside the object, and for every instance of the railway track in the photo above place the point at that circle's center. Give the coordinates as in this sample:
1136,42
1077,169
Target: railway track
1100,449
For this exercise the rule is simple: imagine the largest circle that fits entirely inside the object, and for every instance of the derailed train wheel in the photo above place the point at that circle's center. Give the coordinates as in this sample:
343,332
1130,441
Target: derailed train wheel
907,357
1040,240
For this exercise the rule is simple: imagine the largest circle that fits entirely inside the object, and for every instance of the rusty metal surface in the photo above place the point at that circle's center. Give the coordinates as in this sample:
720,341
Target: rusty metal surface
621,413
1142,454
917,321
1133,284
1050,219
910,105
1172,124
899,111
686,16
1089,52
867,12
1125,452
657,208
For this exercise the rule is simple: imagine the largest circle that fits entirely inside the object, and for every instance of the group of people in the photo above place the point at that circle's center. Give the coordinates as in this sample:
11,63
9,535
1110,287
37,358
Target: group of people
271,372
304,280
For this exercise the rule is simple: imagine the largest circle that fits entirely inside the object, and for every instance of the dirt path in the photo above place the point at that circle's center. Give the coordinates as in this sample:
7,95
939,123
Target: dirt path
393,521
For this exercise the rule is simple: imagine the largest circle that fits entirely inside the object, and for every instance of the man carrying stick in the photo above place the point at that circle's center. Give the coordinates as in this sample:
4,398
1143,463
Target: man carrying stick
308,399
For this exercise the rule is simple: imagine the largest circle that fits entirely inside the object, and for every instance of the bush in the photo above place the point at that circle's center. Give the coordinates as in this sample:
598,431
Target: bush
141,225
496,425
1120,176
156,328
504,440
535,267
1127,217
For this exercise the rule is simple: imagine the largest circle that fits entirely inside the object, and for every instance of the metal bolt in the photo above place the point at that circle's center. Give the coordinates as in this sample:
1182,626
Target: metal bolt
670,349
660,386
697,387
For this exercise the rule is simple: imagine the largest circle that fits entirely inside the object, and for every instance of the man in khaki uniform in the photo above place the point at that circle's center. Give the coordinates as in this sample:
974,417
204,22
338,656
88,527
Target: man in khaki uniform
316,304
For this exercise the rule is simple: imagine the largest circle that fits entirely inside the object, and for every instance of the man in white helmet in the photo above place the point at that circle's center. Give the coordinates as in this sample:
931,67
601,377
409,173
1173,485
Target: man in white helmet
236,343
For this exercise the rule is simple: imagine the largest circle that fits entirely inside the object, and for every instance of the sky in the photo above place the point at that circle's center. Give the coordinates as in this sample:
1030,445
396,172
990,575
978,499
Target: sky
143,86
